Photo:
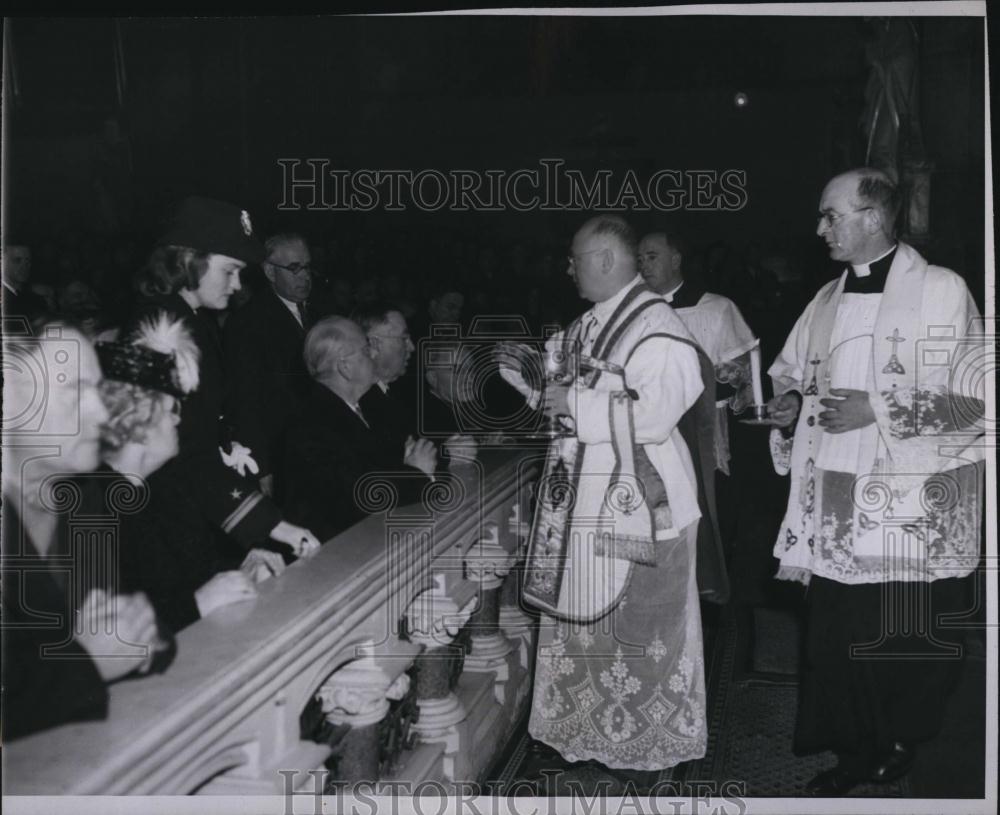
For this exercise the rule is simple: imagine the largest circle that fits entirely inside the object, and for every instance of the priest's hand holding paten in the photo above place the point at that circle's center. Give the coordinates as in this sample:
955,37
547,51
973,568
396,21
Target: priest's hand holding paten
784,409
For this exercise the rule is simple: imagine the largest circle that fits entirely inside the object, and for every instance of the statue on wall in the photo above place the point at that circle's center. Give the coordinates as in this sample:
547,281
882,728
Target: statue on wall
891,118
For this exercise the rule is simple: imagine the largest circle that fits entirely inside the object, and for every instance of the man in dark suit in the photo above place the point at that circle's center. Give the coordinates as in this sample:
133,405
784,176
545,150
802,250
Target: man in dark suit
391,405
18,298
263,346
332,447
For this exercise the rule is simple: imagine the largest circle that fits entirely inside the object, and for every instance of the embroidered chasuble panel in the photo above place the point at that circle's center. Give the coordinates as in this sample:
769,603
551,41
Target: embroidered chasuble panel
899,499
620,679
628,690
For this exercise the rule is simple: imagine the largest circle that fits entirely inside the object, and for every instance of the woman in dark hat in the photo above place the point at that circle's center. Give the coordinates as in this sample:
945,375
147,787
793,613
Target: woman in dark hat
191,275
165,546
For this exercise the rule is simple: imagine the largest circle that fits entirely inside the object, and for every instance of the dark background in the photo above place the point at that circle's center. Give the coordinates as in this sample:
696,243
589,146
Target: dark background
209,105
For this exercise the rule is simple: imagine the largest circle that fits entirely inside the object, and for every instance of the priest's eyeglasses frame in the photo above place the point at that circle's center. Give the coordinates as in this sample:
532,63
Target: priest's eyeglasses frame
833,218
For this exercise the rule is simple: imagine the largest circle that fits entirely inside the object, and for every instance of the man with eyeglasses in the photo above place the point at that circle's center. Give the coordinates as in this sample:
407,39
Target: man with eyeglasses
333,450
614,539
392,404
263,343
879,421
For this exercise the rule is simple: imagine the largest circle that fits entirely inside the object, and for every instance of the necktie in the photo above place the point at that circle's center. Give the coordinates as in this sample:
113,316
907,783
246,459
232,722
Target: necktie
301,307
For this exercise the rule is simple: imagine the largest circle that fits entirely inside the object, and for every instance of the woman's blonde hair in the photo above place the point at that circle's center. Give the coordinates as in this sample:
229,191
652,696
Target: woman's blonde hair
132,412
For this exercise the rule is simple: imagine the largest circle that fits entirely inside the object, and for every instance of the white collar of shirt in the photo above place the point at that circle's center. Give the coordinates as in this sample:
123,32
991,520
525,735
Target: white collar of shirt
382,386
669,296
9,287
602,311
292,307
865,269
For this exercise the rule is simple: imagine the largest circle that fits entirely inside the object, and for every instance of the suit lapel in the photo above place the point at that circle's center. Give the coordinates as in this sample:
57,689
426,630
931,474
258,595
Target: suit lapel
282,316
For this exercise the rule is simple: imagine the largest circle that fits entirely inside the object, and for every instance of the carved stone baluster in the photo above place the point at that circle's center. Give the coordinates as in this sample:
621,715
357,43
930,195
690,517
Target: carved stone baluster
434,620
358,695
516,624
487,563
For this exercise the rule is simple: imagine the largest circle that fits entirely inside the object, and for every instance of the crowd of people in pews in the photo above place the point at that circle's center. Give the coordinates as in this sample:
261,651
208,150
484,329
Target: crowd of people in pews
220,412
216,433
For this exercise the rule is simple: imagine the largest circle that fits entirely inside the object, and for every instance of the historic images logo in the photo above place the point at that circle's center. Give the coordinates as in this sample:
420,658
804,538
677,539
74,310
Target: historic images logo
313,184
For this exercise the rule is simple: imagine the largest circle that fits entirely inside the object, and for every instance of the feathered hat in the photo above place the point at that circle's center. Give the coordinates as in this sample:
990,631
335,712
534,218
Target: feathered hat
161,356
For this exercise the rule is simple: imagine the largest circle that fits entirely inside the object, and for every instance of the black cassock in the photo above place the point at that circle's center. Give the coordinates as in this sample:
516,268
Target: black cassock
878,665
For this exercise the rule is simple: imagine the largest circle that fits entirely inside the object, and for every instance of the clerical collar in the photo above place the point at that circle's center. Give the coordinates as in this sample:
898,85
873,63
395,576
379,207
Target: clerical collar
865,269
869,278
686,295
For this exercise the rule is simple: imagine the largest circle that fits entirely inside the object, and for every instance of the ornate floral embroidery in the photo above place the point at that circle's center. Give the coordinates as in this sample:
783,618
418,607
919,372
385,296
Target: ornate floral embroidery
809,504
923,411
552,663
625,706
692,720
866,523
657,650
587,697
681,680
549,703
658,709
835,539
617,722
917,531
790,539
618,680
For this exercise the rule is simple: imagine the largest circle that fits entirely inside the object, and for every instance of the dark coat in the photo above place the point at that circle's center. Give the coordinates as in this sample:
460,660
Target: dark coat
41,691
165,547
266,377
329,450
24,303
228,501
394,413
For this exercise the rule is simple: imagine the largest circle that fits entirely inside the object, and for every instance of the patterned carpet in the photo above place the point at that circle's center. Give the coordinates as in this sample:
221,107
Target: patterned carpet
754,750
752,715
751,722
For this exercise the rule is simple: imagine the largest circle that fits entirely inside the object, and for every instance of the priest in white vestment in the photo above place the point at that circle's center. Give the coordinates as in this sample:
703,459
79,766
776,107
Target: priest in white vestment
713,320
879,418
620,668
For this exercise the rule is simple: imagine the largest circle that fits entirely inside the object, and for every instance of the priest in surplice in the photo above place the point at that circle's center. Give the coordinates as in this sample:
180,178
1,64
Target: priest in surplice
879,415
612,556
